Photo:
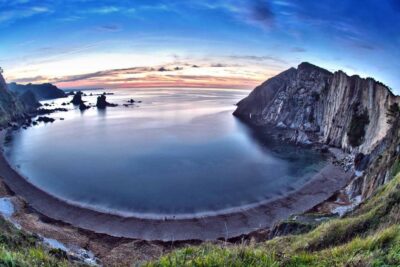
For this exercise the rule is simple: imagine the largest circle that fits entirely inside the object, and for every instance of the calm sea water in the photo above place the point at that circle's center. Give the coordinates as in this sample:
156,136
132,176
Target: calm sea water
180,152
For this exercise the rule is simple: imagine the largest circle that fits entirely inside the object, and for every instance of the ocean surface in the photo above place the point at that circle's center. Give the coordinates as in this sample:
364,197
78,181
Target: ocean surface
180,153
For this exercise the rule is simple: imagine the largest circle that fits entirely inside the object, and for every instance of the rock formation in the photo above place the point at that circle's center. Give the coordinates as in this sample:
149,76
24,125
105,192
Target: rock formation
83,107
11,108
44,91
29,100
102,102
312,105
316,105
77,99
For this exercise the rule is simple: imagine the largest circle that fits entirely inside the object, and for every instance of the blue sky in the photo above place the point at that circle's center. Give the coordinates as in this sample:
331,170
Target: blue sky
215,43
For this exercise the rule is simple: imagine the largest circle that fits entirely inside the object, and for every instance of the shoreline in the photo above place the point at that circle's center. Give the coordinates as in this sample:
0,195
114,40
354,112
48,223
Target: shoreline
222,226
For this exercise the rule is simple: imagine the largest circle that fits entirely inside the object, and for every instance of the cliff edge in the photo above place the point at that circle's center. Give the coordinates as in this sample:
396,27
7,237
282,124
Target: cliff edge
348,112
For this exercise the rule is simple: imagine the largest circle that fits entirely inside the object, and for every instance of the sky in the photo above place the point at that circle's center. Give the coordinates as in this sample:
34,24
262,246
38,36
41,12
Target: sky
195,43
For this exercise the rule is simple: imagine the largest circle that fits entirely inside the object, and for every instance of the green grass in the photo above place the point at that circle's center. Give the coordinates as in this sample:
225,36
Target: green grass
18,248
370,236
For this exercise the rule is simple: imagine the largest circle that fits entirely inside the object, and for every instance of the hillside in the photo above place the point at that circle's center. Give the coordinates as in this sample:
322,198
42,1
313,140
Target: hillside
13,107
370,236
19,248
44,91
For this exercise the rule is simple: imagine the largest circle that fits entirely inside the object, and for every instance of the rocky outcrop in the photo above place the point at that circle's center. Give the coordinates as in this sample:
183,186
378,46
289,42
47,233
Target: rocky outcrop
29,100
102,102
312,105
44,91
315,105
77,99
11,108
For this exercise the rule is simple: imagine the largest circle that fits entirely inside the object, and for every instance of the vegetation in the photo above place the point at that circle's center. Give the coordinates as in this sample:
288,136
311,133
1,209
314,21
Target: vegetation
370,236
356,131
18,248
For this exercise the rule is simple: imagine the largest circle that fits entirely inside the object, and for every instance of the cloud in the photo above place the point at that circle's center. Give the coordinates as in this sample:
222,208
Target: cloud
10,15
184,75
298,50
99,74
104,10
255,12
364,46
35,79
259,58
218,65
261,12
108,28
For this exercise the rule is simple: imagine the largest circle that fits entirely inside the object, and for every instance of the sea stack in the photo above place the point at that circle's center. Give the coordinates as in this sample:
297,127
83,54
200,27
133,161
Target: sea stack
77,99
102,102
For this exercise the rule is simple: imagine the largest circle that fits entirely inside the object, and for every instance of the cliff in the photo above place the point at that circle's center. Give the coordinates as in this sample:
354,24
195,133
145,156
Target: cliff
44,91
11,107
315,105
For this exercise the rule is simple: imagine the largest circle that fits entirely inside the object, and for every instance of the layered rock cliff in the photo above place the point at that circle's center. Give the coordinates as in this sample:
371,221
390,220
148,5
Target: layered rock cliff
312,105
315,105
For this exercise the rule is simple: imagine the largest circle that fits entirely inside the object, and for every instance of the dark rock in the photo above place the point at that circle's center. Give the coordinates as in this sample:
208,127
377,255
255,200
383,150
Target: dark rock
77,99
361,161
58,253
45,119
290,228
324,149
82,106
102,102
29,100
44,111
131,101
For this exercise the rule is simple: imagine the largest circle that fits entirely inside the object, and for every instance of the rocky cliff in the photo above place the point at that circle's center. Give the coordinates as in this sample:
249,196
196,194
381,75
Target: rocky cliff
13,107
315,105
312,105
10,107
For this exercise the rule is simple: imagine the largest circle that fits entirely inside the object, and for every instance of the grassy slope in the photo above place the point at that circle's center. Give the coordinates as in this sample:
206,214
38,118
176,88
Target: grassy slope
370,236
18,248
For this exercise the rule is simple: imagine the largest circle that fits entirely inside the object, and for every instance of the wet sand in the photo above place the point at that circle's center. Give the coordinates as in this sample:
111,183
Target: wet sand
330,179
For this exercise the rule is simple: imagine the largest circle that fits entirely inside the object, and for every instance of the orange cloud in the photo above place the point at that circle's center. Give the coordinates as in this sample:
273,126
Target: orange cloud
214,75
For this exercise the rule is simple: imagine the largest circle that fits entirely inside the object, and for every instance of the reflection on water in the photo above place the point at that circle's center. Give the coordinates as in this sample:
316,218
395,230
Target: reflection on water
178,152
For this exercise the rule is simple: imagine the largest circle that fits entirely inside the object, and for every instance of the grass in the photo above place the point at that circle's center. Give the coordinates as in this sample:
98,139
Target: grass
18,248
370,236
